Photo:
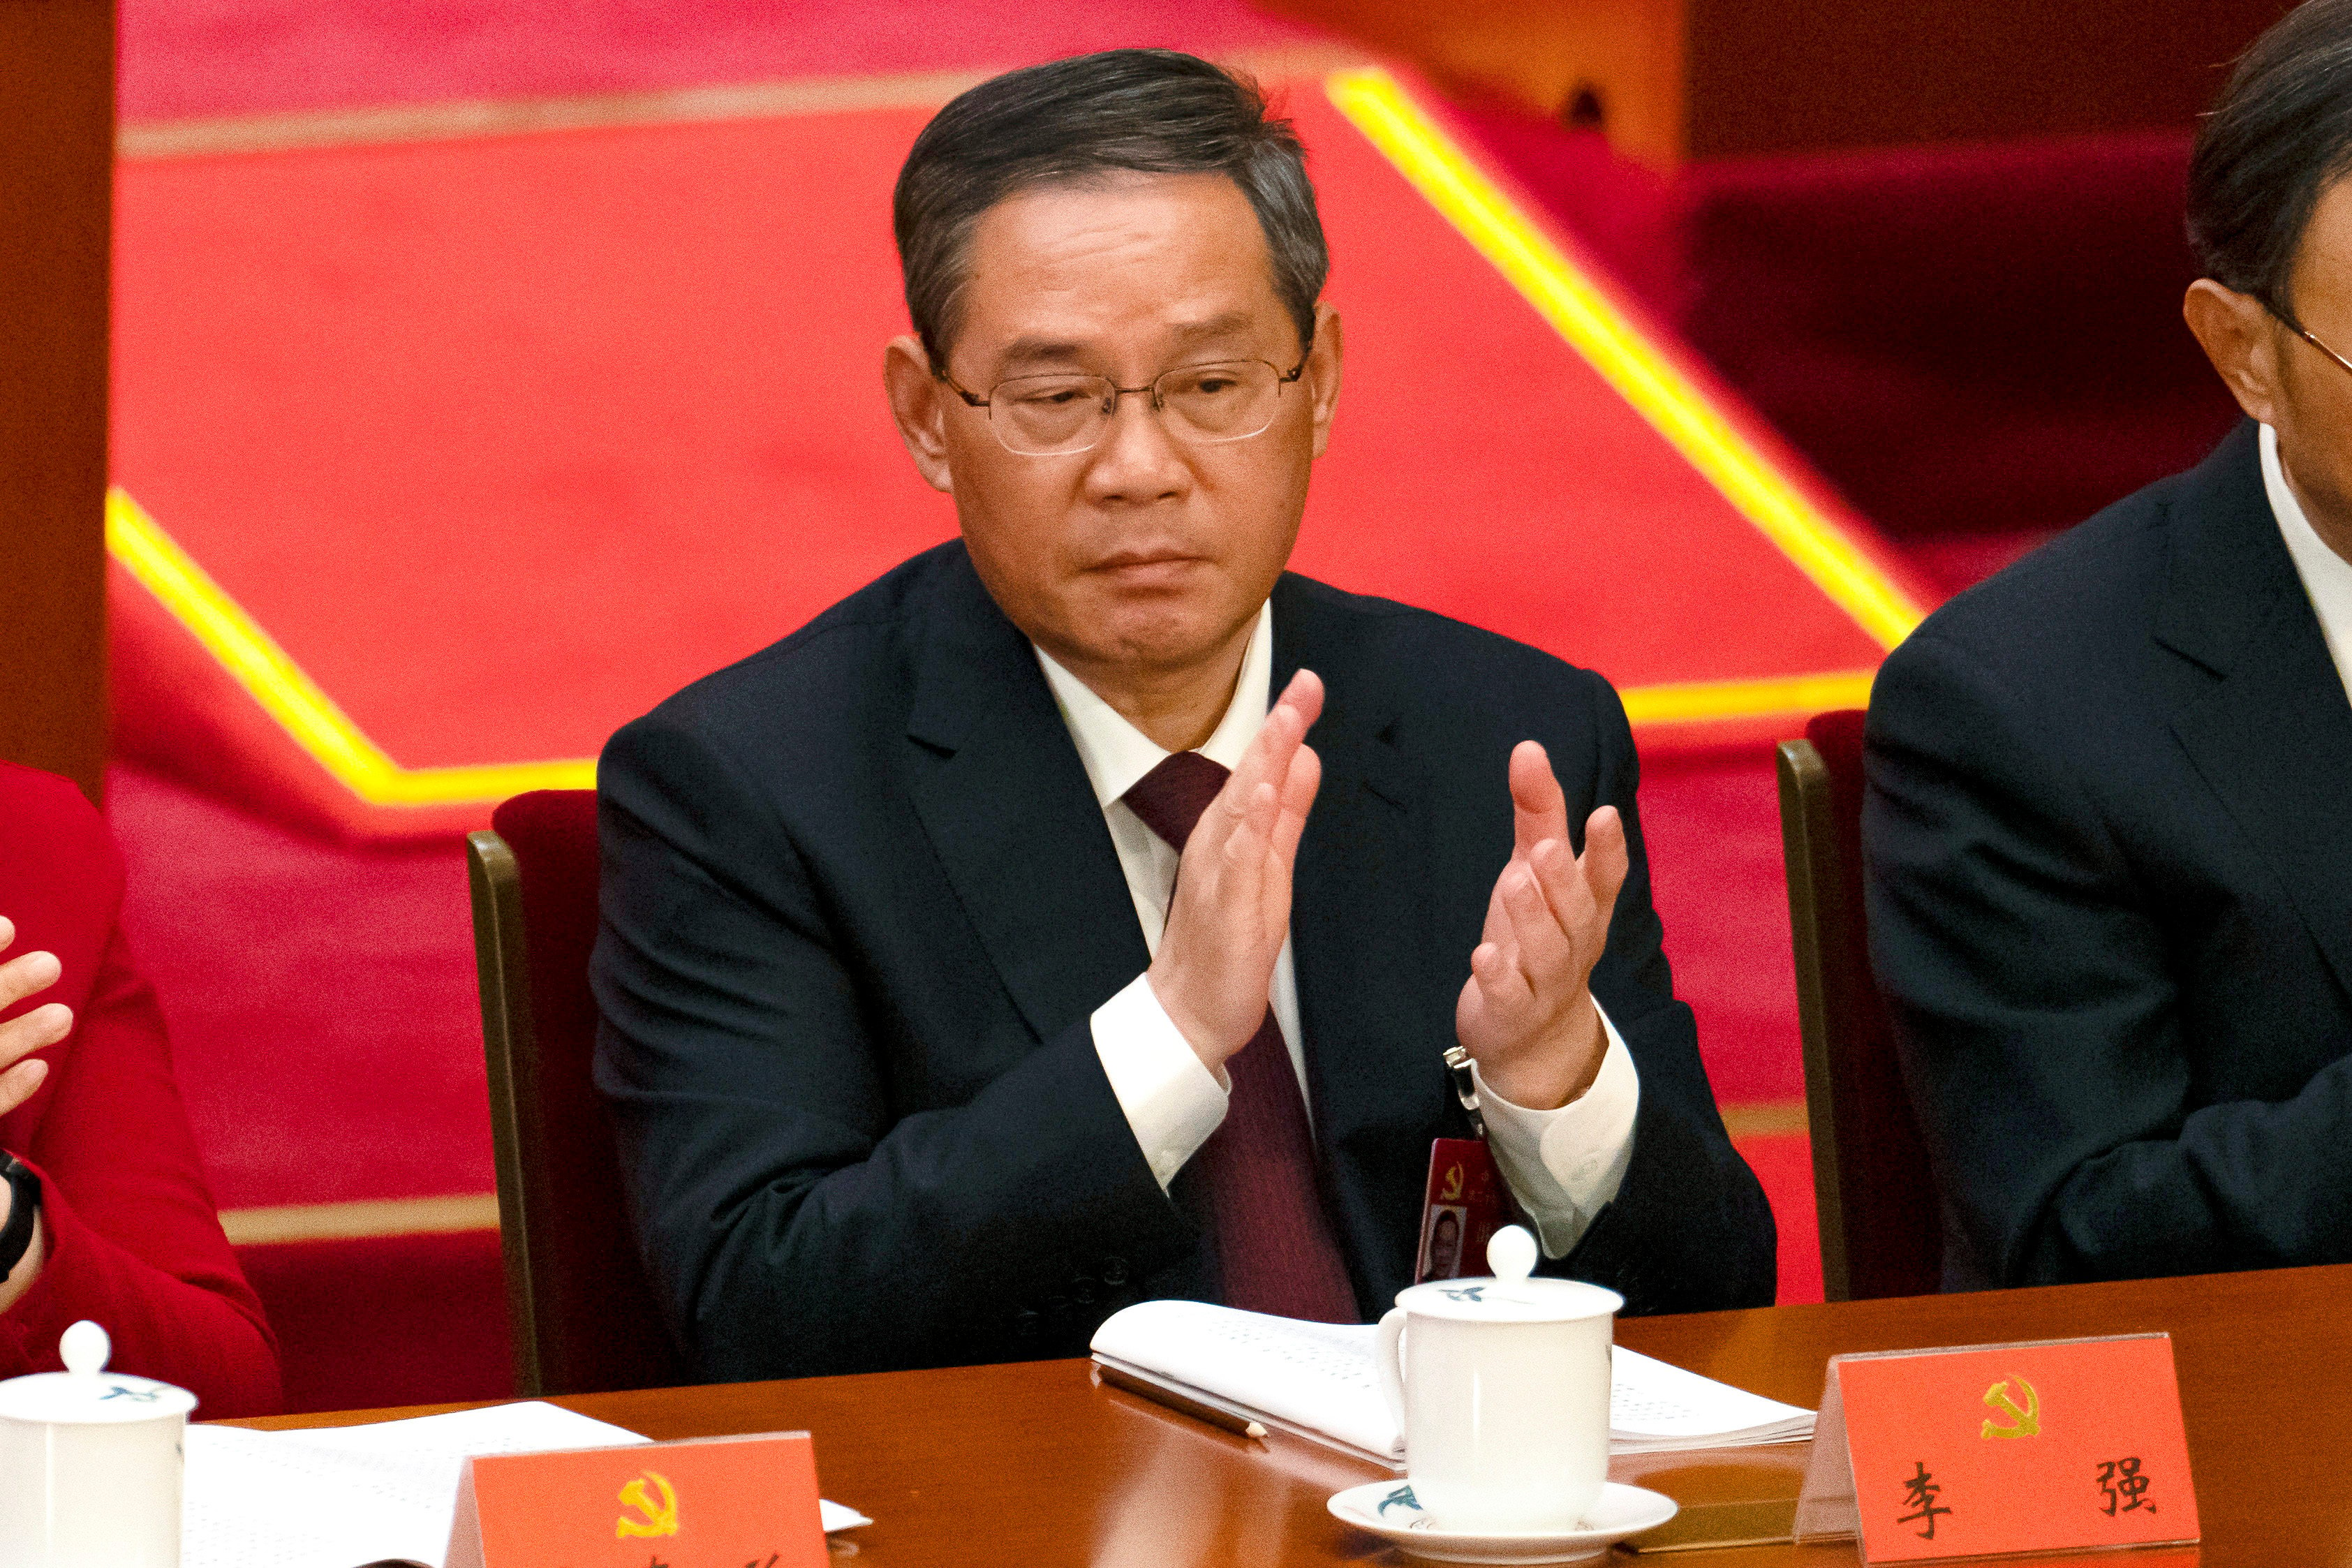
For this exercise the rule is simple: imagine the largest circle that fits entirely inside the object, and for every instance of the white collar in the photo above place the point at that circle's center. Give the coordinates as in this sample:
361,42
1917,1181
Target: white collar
1117,754
2327,576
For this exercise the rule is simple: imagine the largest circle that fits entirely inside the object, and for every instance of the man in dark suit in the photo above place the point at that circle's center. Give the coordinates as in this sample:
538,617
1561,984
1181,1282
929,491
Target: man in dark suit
919,1048
2109,819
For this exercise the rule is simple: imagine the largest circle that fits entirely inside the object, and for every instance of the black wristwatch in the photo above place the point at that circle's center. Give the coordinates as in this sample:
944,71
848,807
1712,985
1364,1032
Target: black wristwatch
17,1236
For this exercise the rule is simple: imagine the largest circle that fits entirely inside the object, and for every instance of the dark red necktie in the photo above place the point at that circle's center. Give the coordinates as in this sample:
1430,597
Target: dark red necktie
1274,1247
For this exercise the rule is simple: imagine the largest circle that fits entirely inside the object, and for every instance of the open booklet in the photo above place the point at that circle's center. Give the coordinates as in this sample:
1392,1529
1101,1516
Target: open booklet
340,1497
1317,1380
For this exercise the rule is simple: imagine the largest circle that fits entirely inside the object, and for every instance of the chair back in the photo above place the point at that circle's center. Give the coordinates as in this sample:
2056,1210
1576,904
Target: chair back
584,1313
1881,1223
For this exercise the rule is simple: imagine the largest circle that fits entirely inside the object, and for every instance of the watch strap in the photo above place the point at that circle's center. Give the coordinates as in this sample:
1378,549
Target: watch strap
23,1212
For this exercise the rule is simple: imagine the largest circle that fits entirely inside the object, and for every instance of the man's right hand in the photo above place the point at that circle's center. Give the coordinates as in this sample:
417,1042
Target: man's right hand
1231,913
21,977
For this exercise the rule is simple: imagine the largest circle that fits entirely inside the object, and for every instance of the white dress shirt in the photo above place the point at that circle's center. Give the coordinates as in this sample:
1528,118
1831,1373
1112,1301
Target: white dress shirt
1563,1165
2327,576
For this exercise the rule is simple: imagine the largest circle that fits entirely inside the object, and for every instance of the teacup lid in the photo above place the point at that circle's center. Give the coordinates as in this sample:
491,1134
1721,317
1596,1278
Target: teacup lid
86,1393
1511,1296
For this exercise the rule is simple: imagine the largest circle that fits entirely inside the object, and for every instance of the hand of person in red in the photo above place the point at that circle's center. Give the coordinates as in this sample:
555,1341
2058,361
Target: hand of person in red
26,974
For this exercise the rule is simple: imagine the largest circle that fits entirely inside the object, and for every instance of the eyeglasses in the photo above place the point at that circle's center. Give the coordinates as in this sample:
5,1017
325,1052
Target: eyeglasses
1054,416
2307,335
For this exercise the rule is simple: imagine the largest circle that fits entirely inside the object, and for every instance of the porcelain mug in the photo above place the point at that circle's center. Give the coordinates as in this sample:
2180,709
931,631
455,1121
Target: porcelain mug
90,1464
1501,1386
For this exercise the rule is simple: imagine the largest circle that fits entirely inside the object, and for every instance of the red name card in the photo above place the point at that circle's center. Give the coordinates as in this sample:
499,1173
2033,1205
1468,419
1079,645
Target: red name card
2064,1446
714,1502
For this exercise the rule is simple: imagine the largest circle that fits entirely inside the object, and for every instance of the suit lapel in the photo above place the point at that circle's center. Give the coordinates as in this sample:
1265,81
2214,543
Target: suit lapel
1005,802
2260,708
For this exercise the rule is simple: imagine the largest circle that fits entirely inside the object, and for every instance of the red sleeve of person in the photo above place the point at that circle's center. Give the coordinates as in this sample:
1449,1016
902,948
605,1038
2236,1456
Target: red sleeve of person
131,1236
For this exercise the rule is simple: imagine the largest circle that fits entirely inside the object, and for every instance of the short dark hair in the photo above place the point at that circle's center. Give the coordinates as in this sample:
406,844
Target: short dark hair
2280,136
1153,111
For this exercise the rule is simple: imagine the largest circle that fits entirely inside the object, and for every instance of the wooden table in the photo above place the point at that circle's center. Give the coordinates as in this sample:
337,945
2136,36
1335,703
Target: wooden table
1037,1464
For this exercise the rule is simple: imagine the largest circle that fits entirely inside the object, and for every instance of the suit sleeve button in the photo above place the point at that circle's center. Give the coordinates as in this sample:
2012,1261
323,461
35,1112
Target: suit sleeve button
1114,1272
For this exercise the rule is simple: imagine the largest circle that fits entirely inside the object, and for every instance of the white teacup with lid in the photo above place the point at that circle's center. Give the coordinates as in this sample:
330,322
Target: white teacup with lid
90,1463
1502,1388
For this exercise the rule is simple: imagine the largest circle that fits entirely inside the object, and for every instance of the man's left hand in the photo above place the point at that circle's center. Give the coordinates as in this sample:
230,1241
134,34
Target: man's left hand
1526,1014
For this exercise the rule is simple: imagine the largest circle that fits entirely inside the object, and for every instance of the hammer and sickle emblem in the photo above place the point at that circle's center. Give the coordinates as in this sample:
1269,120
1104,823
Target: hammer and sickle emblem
658,1519
1452,1183
2027,1423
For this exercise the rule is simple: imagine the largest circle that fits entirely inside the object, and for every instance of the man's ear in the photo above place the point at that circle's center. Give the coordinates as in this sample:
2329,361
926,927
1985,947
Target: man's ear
2241,338
1322,376
918,401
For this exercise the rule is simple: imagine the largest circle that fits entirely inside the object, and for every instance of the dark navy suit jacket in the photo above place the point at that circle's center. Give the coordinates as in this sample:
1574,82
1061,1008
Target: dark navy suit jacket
2109,840
859,904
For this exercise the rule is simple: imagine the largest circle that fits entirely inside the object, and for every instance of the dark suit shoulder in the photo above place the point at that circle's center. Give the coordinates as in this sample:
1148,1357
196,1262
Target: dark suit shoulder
1428,659
2089,583
2084,605
825,679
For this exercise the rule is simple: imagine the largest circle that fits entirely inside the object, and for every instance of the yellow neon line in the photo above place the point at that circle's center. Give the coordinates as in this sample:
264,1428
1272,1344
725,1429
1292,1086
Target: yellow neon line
1709,702
1566,299
256,662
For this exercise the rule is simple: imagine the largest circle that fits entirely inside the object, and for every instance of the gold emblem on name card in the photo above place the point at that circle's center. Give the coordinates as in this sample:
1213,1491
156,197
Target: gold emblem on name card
657,1518
2023,1423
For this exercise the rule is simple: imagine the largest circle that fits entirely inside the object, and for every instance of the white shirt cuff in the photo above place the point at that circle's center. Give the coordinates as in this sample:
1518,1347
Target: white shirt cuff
1565,1165
1171,1099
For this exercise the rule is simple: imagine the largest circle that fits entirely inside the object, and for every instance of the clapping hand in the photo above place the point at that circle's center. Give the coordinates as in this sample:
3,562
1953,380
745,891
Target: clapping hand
1231,913
25,975
1526,1014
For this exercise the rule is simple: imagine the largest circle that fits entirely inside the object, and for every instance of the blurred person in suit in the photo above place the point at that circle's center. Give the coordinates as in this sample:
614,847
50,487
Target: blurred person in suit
919,1047
104,1213
2108,827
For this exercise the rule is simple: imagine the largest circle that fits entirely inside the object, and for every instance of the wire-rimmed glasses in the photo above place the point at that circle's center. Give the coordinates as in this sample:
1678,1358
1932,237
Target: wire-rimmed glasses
2294,325
1057,415
2307,334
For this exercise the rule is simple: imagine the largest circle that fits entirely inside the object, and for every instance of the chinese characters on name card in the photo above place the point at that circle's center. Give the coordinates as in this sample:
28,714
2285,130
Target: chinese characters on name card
2065,1446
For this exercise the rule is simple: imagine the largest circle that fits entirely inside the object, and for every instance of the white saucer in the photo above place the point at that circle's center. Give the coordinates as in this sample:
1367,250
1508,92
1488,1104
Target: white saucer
1386,1509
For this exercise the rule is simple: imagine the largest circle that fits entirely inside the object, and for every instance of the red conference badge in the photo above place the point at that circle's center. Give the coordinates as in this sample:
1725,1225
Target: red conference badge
2061,1446
1465,1206
712,1502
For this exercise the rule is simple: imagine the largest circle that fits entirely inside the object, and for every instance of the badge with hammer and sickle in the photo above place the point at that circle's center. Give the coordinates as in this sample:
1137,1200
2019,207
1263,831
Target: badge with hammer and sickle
658,1519
2025,1423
